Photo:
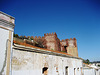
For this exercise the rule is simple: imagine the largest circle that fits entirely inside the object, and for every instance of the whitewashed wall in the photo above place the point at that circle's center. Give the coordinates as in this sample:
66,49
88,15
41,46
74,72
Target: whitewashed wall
6,41
91,71
4,35
31,63
98,72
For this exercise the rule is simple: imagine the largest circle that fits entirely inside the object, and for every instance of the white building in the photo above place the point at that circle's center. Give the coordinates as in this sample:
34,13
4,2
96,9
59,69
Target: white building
91,69
33,61
6,40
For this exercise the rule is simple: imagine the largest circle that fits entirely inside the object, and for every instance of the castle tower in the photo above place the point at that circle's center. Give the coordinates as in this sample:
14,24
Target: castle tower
64,45
72,48
52,41
69,46
6,40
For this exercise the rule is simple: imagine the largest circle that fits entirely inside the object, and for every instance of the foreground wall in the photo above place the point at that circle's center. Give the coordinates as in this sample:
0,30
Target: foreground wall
6,40
91,71
26,61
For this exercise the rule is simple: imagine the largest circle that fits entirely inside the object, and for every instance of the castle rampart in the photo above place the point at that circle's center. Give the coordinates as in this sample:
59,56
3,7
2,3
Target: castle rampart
52,42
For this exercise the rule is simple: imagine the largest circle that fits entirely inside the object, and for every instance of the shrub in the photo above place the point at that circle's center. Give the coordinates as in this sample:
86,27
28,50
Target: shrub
16,35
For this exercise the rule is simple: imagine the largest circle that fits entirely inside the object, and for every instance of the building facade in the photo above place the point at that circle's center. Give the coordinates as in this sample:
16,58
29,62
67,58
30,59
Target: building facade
52,42
28,60
6,40
91,69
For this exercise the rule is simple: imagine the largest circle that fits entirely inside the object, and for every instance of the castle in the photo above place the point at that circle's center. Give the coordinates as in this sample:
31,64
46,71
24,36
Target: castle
52,42
21,58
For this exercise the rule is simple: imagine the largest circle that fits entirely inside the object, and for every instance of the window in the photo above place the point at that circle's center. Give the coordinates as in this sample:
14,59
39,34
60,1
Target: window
74,71
65,48
78,69
45,71
81,71
66,70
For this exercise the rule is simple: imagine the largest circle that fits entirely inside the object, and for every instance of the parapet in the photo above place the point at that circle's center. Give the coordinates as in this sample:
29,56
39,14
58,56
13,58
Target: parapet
38,38
72,39
7,17
62,40
7,21
68,39
50,34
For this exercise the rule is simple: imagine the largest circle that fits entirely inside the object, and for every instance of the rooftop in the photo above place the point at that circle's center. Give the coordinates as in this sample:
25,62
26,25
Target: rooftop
28,47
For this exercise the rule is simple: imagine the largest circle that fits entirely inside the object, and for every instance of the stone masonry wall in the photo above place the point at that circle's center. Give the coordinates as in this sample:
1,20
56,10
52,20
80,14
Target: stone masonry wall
52,42
69,46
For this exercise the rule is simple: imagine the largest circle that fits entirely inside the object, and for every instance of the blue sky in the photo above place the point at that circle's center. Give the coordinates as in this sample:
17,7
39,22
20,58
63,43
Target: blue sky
68,18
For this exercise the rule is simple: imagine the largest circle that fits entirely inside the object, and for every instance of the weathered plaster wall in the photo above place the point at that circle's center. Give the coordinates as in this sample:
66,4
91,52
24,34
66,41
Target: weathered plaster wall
31,63
4,35
91,71
6,40
72,51
72,48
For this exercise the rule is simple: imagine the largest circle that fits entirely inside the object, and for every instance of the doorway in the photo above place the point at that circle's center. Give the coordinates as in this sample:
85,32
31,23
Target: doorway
45,71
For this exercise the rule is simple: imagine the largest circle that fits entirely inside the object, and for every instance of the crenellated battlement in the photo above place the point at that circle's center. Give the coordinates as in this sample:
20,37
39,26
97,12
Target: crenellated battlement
50,34
68,39
39,37
72,39
51,41
69,46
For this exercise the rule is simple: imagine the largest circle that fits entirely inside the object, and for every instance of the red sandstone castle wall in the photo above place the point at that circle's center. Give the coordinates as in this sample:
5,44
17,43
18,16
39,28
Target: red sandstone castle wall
64,45
52,41
40,41
69,46
72,48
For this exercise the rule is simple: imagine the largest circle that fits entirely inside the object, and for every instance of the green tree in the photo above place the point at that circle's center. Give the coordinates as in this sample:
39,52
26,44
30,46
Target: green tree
86,61
16,35
98,65
21,37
